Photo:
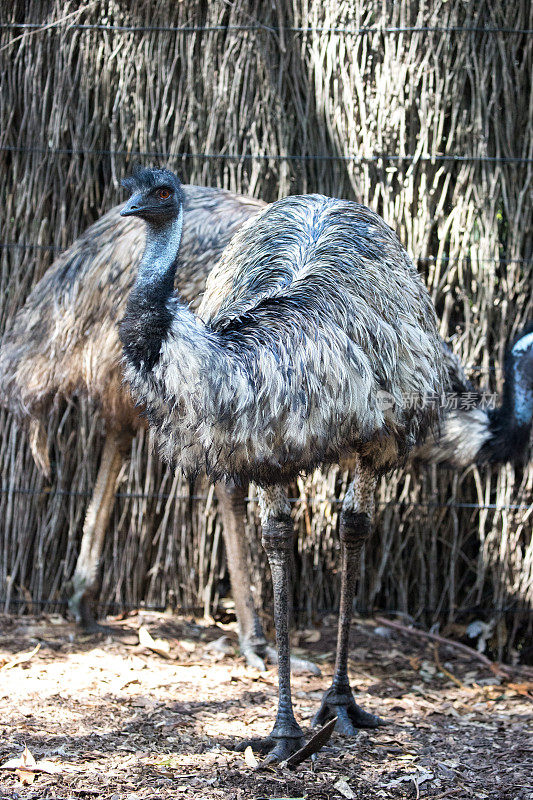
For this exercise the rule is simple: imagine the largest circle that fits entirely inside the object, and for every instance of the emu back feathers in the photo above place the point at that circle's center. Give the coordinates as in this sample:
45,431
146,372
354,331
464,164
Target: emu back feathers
314,311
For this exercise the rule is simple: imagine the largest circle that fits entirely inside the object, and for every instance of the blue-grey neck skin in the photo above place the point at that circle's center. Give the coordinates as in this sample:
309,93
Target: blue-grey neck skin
148,318
159,260
523,384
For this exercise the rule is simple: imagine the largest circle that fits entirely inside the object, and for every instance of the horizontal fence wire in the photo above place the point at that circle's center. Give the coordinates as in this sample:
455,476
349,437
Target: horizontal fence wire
259,27
461,159
428,259
425,259
303,501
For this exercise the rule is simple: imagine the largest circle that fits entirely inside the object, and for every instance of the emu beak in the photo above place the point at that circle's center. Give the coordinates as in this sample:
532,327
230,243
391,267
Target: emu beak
133,206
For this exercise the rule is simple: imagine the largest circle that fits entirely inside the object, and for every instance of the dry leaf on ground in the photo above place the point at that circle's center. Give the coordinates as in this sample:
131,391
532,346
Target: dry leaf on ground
26,766
159,646
343,787
250,759
21,658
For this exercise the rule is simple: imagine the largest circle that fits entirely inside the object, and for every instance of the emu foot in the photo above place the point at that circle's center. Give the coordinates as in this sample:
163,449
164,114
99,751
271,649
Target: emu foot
253,648
299,666
79,605
275,748
81,608
292,750
340,703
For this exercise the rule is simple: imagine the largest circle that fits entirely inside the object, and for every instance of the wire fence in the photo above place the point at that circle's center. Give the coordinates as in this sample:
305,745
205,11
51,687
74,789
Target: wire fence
202,498
120,607
369,159
188,29
424,259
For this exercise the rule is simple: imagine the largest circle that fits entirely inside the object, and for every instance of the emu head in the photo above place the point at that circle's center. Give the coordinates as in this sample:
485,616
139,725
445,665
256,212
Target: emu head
156,195
521,363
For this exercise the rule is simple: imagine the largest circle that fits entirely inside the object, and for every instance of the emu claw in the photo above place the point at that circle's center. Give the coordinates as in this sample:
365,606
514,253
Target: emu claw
253,656
257,653
79,605
350,716
275,748
291,750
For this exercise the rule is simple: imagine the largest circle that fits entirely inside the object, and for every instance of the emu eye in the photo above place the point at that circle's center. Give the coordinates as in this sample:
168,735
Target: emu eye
164,194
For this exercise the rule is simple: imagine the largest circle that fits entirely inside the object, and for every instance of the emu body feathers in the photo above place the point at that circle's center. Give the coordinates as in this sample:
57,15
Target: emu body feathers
320,309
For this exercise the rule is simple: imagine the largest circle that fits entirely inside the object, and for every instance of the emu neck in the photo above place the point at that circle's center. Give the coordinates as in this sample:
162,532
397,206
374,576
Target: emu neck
157,269
510,424
516,410
522,401
148,318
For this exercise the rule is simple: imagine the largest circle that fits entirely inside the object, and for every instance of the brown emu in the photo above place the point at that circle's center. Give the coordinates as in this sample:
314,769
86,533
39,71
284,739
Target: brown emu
64,340
313,310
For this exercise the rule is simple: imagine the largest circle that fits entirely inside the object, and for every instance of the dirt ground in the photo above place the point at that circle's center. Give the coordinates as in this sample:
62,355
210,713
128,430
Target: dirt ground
115,719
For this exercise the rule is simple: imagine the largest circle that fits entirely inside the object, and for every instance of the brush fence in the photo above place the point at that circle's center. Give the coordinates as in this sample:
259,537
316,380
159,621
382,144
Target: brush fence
420,110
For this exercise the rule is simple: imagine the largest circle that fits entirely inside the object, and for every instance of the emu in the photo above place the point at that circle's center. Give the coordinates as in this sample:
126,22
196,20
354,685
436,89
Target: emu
479,434
64,340
313,309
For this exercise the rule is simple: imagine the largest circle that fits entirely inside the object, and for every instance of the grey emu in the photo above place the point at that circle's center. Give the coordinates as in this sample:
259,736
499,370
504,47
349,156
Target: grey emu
313,309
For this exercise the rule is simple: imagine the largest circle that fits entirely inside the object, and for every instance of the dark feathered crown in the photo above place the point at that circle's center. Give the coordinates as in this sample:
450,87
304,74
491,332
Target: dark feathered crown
144,179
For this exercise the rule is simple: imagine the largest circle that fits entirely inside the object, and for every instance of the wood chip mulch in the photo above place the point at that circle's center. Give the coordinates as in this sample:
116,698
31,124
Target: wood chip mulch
120,721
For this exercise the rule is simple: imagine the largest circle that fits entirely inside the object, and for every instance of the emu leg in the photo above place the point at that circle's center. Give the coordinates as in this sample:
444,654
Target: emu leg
231,499
355,526
286,737
254,646
85,579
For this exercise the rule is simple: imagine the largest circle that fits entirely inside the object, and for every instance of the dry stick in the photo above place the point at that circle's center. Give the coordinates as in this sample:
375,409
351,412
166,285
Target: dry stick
498,669
49,25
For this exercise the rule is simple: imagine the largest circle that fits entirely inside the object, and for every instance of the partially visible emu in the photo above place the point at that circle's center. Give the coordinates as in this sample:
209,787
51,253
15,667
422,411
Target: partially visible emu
64,340
477,433
313,309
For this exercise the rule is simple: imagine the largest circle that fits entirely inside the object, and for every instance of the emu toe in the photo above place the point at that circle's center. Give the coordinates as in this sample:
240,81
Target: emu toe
254,655
274,748
350,716
292,750
257,653
79,605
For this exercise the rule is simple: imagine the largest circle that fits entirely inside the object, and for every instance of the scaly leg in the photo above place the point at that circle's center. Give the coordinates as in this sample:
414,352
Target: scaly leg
355,525
286,737
254,646
85,578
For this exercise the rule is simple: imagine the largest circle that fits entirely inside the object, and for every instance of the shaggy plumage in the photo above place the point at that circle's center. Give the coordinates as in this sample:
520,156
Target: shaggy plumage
64,340
313,310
